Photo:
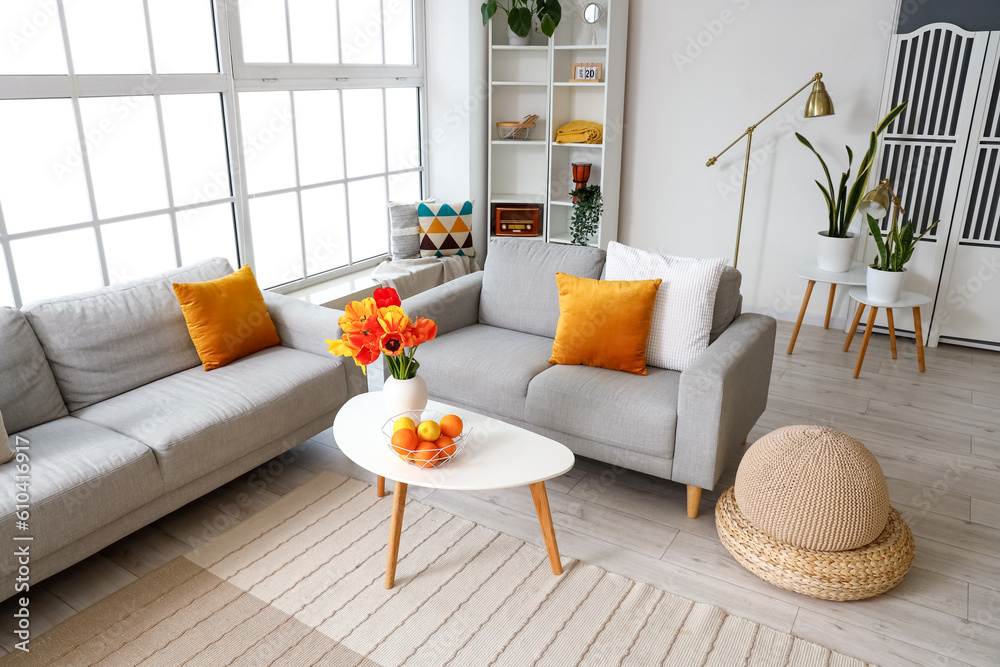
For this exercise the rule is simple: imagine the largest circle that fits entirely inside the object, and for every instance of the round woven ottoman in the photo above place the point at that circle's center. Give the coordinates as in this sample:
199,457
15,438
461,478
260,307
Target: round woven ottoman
810,513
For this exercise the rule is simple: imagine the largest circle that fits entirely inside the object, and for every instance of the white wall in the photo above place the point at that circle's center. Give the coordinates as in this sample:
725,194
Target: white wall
699,73
457,93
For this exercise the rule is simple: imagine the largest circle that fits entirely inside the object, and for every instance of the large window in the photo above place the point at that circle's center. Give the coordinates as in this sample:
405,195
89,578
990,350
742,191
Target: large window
126,149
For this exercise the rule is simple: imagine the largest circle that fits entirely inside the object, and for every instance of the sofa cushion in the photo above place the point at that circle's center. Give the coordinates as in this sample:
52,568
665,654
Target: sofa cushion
196,422
83,477
634,412
485,367
28,392
727,301
104,342
519,282
6,450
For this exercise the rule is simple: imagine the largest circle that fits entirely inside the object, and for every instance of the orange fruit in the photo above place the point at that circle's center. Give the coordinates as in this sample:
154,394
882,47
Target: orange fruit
425,454
451,425
446,445
404,441
429,430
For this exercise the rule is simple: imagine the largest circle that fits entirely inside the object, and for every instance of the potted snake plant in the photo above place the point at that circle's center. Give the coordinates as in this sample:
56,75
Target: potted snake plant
837,245
521,14
887,273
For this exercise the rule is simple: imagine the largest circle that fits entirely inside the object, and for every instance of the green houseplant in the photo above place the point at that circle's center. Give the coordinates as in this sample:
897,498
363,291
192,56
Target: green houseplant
842,202
588,205
520,14
886,274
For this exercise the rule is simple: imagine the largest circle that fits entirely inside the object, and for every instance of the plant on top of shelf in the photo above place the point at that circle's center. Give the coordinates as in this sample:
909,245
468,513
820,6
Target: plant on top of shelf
587,209
841,204
521,12
897,248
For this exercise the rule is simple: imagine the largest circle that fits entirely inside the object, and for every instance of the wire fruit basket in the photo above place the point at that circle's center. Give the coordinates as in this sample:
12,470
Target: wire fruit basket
426,457
512,131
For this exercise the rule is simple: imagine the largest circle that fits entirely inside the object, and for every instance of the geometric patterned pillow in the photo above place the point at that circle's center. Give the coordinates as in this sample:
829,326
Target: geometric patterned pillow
445,229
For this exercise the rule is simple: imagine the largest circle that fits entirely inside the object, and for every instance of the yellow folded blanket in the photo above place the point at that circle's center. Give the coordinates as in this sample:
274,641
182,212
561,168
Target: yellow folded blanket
580,132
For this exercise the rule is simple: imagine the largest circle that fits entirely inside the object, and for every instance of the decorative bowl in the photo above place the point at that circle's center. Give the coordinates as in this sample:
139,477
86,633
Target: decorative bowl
432,458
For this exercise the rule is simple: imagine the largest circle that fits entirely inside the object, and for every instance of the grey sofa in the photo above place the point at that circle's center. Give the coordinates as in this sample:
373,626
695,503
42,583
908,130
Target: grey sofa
124,425
491,355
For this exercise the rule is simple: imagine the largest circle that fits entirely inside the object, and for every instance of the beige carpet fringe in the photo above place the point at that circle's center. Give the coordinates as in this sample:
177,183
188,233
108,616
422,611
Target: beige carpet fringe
300,583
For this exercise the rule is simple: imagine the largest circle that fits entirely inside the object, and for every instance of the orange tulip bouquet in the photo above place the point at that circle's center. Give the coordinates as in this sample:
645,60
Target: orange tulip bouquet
378,325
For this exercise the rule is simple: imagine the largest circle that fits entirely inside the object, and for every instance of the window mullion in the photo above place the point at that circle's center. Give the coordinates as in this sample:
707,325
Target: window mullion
347,190
298,180
15,290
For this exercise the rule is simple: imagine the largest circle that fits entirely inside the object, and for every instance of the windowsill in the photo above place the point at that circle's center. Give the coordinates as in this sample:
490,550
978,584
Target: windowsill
338,292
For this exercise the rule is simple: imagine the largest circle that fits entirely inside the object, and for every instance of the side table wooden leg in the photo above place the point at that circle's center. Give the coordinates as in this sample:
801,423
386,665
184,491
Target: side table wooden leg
854,326
398,503
802,313
920,337
892,331
545,521
864,343
829,305
380,487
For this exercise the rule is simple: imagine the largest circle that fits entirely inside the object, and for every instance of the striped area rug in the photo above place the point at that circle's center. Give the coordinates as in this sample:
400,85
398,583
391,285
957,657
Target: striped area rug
300,583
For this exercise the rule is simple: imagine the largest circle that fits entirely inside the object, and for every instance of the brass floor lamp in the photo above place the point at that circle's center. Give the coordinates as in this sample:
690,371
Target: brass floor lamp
818,104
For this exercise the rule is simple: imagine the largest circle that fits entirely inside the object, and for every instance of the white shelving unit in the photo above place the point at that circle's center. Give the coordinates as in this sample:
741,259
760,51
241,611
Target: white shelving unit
535,79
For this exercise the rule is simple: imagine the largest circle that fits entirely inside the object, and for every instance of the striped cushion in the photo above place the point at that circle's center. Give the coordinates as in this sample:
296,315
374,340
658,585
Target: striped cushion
446,229
682,316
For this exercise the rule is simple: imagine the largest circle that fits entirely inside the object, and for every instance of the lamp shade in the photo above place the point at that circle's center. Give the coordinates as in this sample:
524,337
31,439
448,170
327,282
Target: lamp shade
876,203
819,102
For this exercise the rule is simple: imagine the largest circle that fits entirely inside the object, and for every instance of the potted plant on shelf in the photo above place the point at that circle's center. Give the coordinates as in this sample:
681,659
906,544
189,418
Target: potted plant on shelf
887,273
588,205
837,245
521,14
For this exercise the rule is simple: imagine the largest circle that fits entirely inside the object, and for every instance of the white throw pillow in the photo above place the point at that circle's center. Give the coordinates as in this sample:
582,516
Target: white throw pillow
682,316
6,453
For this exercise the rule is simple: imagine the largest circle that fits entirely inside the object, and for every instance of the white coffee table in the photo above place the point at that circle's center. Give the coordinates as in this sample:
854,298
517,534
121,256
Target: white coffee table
497,456
856,275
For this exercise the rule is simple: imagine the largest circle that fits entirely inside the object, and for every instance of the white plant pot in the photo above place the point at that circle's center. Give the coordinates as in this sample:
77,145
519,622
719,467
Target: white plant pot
885,286
836,254
516,40
404,395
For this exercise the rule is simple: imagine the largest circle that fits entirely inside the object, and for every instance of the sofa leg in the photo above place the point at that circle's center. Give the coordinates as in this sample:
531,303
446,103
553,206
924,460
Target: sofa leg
694,498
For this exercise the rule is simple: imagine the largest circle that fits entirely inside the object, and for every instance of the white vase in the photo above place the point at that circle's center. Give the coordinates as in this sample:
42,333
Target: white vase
404,395
885,286
517,40
835,254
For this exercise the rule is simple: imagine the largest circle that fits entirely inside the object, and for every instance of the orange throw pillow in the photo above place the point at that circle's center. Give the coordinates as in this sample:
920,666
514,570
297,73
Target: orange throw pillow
604,323
227,318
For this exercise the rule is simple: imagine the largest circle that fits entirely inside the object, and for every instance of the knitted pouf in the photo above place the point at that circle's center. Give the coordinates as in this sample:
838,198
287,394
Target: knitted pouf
810,513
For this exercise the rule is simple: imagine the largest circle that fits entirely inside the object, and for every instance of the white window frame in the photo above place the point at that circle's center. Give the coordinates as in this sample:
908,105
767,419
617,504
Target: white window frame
284,77
76,87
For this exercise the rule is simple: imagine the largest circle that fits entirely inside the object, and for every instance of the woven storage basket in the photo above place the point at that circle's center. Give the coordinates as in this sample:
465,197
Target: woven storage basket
853,574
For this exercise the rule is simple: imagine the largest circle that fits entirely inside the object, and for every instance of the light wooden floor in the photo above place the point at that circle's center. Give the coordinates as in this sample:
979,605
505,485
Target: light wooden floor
937,436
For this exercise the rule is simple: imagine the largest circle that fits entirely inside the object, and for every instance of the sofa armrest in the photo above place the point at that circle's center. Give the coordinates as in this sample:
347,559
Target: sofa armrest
452,306
721,396
305,326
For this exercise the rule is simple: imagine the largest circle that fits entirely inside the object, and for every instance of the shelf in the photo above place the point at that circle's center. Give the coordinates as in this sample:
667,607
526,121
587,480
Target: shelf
567,239
515,142
578,84
508,47
577,145
514,198
561,202
580,47
520,83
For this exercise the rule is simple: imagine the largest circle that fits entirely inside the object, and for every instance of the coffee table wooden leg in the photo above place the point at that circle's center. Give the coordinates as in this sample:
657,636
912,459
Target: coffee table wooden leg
380,487
920,337
854,326
864,343
892,331
802,313
545,520
829,305
398,503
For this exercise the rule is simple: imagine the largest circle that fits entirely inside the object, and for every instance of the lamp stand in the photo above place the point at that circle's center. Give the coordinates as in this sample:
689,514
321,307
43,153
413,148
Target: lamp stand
743,196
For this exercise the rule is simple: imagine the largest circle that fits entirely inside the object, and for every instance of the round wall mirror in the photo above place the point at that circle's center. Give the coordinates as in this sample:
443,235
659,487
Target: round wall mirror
592,13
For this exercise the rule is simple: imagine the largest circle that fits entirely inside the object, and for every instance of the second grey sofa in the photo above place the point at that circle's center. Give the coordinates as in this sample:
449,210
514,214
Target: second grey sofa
491,355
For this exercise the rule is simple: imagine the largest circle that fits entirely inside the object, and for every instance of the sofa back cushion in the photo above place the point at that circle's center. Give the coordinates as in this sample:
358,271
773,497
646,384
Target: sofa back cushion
105,342
28,392
519,282
728,301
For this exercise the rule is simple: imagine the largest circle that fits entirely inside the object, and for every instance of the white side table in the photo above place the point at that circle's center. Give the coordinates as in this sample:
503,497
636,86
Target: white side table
857,275
905,300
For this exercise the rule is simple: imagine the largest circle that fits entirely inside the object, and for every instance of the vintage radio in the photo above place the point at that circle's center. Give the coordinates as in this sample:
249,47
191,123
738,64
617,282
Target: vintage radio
517,219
